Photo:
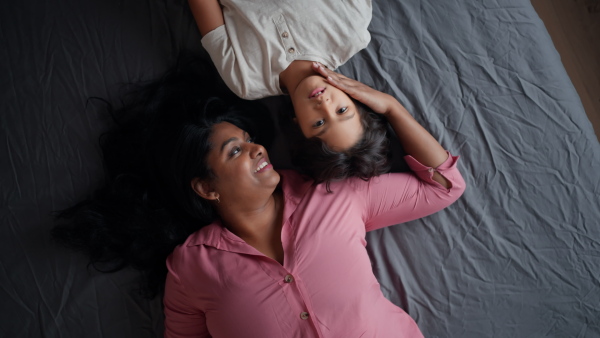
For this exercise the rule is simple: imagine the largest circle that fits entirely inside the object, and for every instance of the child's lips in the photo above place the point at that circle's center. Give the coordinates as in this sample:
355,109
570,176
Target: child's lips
317,92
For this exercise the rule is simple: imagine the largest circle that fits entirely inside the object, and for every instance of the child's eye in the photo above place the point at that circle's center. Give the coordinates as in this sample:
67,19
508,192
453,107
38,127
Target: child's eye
342,110
318,123
250,140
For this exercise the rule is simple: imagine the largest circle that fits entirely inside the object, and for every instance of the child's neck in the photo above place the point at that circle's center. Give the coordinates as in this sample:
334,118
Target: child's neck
297,71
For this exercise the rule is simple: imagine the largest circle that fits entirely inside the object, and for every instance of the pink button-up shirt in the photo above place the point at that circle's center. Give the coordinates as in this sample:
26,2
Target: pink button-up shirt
219,286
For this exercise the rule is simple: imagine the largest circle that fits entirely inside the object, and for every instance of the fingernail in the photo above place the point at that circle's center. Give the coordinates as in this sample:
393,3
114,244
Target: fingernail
329,78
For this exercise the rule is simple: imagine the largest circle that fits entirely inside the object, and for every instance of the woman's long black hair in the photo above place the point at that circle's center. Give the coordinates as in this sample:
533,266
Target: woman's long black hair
147,206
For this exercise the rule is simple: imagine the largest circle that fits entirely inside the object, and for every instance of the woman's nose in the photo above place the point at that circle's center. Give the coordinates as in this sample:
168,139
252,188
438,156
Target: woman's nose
256,150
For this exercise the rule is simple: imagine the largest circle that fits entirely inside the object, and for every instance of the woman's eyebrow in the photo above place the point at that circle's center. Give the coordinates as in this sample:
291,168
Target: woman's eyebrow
227,142
245,135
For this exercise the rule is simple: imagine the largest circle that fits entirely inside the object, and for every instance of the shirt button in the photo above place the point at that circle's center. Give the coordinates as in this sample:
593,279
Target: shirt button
285,34
288,278
304,315
430,169
291,50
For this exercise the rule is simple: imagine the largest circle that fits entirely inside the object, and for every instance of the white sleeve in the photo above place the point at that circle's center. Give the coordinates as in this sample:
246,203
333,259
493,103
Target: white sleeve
218,45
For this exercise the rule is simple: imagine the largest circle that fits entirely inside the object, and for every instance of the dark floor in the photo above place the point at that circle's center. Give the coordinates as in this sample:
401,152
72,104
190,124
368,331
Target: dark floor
574,26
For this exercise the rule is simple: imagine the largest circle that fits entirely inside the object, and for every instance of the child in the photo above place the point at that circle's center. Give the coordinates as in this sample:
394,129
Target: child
271,48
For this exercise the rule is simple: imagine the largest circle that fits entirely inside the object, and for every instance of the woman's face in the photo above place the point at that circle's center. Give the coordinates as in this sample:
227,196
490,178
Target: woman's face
326,112
242,168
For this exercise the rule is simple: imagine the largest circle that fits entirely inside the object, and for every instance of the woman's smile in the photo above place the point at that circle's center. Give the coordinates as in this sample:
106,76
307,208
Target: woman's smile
263,166
242,169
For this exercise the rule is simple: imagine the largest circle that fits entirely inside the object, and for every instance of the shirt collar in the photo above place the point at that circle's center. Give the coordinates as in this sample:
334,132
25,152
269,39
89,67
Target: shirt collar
294,187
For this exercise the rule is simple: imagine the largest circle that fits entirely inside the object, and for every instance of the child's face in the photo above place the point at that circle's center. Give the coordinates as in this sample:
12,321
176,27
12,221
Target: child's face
326,112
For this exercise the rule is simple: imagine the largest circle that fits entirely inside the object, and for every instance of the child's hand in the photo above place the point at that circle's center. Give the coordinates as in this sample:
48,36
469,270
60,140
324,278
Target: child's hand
379,102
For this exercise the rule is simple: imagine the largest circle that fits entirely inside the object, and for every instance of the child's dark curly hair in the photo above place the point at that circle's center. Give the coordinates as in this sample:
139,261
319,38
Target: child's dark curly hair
367,158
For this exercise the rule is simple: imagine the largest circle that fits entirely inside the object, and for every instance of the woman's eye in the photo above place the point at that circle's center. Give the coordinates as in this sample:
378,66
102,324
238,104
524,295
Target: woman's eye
318,123
342,110
235,150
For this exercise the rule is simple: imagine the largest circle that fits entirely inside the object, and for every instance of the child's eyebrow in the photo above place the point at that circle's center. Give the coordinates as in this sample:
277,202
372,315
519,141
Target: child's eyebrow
345,118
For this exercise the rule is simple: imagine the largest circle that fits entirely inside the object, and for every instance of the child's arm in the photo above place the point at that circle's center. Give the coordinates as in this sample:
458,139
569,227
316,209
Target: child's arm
207,13
415,140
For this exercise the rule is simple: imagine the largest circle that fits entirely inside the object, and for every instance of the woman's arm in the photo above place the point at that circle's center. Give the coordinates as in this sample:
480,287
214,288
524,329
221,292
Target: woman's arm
207,13
396,198
181,318
415,140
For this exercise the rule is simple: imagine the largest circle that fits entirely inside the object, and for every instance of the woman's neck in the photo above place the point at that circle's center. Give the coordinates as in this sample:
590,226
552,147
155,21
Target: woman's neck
259,226
297,71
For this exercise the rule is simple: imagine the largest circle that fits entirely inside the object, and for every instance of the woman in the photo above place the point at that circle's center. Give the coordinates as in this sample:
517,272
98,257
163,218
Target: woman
143,210
285,257
267,48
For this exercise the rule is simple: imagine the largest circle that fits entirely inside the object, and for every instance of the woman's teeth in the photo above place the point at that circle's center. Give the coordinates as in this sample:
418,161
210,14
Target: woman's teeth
262,165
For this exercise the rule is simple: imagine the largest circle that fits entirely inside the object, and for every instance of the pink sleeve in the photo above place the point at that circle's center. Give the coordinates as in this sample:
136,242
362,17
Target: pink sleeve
182,319
401,197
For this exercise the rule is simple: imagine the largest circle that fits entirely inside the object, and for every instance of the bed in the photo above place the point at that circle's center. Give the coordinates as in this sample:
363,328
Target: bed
517,256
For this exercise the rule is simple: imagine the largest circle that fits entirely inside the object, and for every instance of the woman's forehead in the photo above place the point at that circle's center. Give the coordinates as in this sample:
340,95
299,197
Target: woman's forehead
224,133
223,129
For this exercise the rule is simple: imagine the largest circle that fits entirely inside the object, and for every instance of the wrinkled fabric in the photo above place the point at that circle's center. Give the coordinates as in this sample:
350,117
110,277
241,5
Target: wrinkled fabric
515,256
219,286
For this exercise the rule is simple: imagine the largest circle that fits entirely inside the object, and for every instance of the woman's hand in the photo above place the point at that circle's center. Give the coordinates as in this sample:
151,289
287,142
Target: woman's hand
379,102
415,140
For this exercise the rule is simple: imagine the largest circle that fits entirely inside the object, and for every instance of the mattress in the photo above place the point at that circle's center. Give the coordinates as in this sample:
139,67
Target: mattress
517,256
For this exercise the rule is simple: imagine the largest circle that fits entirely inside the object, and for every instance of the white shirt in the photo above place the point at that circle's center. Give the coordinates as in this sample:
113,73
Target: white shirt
261,38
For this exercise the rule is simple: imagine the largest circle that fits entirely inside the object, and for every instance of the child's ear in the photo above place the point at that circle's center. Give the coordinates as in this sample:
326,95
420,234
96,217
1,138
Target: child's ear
204,189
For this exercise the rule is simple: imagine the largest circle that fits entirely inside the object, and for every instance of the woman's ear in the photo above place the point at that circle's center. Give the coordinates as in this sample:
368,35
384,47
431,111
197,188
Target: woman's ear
295,120
204,189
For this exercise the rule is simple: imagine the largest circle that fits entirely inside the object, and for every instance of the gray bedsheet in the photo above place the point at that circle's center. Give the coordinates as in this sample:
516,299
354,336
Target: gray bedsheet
517,256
